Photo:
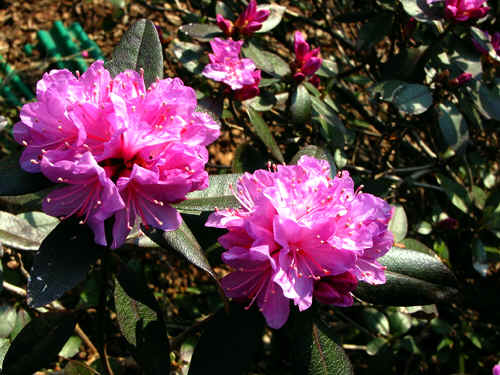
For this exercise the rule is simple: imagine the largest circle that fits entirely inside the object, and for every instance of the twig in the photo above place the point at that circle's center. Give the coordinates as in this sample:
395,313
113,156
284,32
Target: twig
176,342
95,353
14,289
21,266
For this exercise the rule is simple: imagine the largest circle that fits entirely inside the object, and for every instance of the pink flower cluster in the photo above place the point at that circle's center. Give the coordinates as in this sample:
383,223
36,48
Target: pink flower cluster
463,10
301,235
117,149
307,61
226,66
247,23
493,39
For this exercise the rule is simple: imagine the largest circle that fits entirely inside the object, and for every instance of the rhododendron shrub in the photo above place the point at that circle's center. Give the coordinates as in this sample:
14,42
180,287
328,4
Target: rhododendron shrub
117,148
300,233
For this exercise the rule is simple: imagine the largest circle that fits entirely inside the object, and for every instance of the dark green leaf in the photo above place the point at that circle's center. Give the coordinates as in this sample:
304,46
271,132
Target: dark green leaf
189,55
421,10
229,342
264,133
274,18
78,368
413,98
131,314
201,31
8,317
218,194
264,102
413,278
25,202
266,61
453,126
38,344
300,105
140,47
374,30
332,128
385,89
328,69
247,158
314,349
456,192
62,261
140,321
413,244
15,181
479,258
224,10
318,153
487,101
399,223
183,241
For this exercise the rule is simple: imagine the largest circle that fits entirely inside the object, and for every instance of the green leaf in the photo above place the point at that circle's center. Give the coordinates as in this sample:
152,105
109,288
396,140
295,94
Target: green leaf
453,126
16,181
400,323
18,233
8,317
71,348
274,18
376,321
62,261
456,192
4,347
421,10
24,202
314,351
38,344
318,153
189,55
399,223
413,98
413,278
201,31
374,346
264,133
183,241
218,194
266,61
22,319
385,89
140,47
374,30
300,105
229,342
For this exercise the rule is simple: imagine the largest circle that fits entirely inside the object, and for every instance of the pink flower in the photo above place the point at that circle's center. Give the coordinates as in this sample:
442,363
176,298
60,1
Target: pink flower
307,61
226,66
118,149
461,79
249,91
300,234
493,39
225,25
463,10
251,19
496,370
